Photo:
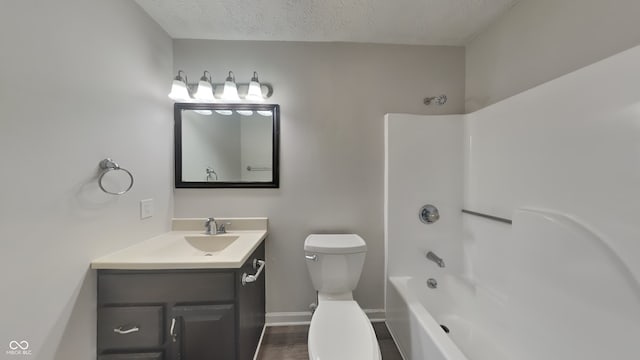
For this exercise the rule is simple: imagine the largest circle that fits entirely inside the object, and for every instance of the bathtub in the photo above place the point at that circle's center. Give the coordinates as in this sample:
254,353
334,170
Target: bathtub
565,294
420,333
487,325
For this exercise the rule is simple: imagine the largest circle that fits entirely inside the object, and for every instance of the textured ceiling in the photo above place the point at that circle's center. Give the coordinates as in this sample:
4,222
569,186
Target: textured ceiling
426,22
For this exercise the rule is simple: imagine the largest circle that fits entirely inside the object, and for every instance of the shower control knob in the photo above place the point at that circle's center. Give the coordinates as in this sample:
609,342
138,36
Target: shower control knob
429,214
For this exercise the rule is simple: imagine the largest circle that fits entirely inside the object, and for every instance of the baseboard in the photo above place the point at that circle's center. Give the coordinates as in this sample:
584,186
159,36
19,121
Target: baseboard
288,318
304,317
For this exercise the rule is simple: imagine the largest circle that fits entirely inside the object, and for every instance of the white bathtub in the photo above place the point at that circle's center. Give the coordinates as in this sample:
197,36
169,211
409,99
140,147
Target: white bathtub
484,326
418,332
555,290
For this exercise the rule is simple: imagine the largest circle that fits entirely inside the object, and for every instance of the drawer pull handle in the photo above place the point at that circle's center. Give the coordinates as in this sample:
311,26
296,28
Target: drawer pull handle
252,278
130,330
171,333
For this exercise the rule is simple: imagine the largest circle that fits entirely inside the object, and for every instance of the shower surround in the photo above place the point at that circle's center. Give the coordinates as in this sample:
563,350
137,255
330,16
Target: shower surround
561,158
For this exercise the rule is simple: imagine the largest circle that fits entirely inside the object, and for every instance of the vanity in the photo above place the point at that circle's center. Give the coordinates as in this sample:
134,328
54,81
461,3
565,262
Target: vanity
184,294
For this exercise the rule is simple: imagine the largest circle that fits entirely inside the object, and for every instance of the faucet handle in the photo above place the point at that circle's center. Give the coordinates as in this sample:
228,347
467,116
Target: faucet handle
222,228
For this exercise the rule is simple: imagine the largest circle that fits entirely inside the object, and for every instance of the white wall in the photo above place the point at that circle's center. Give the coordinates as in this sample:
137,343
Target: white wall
211,141
572,146
81,80
539,40
257,147
333,97
423,165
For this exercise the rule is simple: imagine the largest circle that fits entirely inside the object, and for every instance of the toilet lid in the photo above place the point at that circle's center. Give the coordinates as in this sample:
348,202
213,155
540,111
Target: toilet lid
341,331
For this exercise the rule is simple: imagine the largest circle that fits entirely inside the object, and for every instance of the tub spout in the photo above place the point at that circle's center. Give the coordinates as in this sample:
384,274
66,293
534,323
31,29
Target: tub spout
435,258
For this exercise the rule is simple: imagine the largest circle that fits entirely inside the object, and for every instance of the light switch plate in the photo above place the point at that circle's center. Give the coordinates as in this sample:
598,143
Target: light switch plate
146,208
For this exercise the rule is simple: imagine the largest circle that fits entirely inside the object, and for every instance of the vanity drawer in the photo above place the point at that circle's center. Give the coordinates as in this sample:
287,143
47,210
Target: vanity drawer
130,328
145,356
176,287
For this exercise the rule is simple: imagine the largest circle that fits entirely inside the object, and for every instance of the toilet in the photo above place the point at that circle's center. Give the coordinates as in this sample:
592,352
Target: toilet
339,329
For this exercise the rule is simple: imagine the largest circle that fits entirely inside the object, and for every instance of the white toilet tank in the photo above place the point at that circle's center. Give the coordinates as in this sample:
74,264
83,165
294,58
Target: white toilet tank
335,262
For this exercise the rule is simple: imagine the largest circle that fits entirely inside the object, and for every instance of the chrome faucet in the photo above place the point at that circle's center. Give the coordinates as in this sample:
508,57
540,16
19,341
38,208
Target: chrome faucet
435,258
211,227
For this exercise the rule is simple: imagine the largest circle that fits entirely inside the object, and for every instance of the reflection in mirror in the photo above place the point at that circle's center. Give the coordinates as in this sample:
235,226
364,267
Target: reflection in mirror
224,145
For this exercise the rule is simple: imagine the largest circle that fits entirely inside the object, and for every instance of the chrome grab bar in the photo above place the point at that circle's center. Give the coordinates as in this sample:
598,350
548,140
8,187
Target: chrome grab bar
253,278
131,329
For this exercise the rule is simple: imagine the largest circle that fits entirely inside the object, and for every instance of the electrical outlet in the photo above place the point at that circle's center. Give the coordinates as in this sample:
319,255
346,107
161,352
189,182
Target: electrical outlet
146,208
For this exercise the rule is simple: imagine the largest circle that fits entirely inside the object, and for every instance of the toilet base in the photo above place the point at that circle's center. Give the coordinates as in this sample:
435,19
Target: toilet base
340,330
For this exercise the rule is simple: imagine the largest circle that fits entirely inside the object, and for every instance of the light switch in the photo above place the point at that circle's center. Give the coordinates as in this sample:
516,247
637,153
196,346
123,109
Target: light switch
146,208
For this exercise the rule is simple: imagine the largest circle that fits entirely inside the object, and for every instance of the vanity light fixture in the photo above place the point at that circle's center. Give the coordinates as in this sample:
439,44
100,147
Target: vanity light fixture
245,112
255,90
230,91
179,88
204,91
205,88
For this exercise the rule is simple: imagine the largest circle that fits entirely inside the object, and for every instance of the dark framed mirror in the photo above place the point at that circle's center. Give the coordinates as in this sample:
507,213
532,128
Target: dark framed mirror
227,145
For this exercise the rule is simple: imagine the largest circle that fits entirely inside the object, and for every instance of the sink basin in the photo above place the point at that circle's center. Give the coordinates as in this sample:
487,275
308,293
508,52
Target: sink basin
210,243
187,246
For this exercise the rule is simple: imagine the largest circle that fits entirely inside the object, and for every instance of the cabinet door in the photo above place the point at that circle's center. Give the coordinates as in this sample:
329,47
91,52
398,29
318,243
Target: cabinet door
204,332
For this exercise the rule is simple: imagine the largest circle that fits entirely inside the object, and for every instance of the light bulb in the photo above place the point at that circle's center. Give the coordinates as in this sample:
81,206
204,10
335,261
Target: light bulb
179,91
255,91
230,91
205,89
245,112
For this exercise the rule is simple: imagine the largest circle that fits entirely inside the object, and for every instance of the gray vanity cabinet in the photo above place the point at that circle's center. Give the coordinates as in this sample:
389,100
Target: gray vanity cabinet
202,314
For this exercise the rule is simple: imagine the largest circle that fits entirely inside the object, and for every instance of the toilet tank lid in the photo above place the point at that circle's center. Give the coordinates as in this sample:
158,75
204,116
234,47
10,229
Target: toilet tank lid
335,244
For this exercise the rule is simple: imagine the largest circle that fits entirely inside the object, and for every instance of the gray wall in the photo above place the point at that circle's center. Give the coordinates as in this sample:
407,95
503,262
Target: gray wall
81,80
539,40
333,98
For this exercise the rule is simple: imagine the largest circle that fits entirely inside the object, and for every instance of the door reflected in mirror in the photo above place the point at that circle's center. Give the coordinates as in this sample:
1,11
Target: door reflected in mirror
226,145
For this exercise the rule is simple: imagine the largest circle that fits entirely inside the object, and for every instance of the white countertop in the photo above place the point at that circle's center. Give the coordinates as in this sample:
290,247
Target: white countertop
184,248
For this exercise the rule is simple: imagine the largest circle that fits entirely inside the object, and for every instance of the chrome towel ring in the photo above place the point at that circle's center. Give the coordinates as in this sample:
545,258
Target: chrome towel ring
108,165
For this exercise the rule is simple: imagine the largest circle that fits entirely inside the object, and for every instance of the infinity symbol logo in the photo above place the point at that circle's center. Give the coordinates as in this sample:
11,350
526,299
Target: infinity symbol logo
23,345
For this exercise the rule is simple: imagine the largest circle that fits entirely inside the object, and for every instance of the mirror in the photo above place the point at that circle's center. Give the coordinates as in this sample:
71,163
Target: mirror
226,145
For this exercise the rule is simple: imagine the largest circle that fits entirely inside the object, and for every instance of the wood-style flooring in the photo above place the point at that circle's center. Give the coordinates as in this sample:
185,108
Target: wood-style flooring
290,343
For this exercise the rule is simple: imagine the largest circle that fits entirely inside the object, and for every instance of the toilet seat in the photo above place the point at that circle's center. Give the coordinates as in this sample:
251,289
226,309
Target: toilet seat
340,330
